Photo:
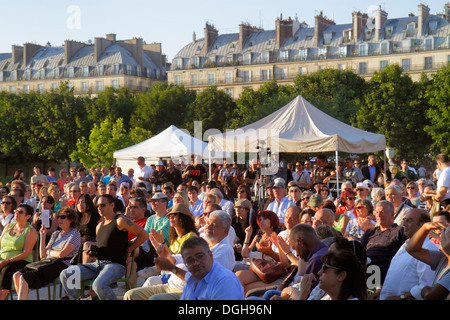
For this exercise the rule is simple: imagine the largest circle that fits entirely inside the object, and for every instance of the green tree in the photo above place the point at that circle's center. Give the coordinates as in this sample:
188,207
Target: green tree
163,105
333,91
253,105
57,124
438,95
104,139
391,107
212,107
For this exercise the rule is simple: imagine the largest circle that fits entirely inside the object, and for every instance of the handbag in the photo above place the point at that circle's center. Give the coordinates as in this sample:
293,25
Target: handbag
43,263
268,271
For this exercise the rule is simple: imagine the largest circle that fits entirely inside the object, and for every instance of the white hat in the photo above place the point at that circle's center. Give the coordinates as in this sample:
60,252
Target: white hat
362,185
160,163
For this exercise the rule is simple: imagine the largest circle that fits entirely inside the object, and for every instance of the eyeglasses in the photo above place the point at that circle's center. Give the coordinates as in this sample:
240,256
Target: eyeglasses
197,257
61,216
326,266
20,211
360,207
410,187
326,190
351,198
75,191
4,202
305,198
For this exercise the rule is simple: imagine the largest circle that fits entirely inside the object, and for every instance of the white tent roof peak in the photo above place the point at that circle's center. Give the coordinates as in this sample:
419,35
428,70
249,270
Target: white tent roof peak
170,143
298,127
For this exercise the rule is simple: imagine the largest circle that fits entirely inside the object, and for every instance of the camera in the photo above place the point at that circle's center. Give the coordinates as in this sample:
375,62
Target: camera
92,250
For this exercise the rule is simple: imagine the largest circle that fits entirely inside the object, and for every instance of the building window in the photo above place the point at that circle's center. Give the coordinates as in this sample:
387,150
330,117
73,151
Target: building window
177,79
56,73
211,78
54,86
194,79
115,84
283,73
138,71
363,50
12,89
1,75
383,64
40,88
42,74
303,54
246,76
14,75
229,92
70,72
284,55
265,57
327,36
70,86
228,77
116,69
264,75
362,68
322,53
178,63
85,72
28,75
302,70
195,62
247,58
99,85
343,51
410,29
429,44
84,86
406,63
26,88
428,63
385,48
129,69
100,69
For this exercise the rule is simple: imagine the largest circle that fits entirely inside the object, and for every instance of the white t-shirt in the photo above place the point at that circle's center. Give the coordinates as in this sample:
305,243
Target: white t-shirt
146,173
444,181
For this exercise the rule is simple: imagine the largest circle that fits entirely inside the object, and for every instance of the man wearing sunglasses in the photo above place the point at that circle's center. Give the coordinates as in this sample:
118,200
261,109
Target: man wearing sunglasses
112,252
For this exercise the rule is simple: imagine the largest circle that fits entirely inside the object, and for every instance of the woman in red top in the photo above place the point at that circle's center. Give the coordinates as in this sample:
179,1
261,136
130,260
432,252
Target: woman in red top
345,211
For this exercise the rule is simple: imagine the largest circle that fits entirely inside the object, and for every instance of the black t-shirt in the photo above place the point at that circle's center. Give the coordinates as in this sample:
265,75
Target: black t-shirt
321,173
195,173
381,246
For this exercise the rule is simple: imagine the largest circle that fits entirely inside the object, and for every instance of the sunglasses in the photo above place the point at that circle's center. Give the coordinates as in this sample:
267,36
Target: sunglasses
326,266
61,216
306,198
351,198
102,205
6,202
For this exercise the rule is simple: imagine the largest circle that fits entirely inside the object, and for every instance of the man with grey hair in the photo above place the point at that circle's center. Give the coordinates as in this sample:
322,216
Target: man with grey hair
393,194
383,241
216,231
225,204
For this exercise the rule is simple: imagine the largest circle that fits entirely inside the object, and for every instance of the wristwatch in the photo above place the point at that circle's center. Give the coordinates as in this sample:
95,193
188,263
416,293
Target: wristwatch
174,270
402,297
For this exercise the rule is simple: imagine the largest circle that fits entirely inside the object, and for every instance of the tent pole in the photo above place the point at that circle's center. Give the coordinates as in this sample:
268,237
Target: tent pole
337,174
384,167
209,160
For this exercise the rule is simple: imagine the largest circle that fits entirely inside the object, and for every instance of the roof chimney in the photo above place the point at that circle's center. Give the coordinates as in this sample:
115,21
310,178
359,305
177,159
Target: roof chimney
424,12
321,23
17,53
380,19
111,37
29,49
244,31
359,21
283,30
70,47
210,36
447,11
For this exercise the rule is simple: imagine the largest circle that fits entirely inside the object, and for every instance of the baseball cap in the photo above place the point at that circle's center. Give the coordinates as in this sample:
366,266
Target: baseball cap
315,200
158,196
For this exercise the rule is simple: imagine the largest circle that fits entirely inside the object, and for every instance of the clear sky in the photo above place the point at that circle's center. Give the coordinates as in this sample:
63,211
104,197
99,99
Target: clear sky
170,22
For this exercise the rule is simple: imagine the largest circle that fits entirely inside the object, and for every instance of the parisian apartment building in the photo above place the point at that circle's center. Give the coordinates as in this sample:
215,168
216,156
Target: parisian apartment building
419,42
87,67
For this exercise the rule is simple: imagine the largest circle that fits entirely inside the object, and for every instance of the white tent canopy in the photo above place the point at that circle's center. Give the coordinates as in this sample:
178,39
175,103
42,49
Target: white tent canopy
298,127
172,143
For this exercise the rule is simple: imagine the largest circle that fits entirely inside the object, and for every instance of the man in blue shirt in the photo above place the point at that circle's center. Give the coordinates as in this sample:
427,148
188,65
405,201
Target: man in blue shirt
206,279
